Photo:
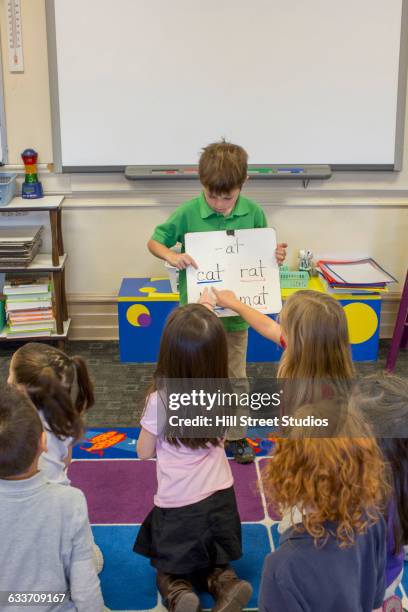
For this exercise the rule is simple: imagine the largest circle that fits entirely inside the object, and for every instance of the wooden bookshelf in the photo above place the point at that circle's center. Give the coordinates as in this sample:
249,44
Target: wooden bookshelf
52,263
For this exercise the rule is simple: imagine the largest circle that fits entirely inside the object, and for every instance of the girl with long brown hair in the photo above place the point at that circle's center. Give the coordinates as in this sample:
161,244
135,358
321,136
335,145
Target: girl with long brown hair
312,329
194,530
47,376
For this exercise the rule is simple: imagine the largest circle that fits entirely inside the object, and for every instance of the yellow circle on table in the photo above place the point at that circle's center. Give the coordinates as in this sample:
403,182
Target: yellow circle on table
362,322
133,315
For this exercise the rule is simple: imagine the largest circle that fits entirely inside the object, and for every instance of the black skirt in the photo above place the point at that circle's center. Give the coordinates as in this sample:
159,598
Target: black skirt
194,537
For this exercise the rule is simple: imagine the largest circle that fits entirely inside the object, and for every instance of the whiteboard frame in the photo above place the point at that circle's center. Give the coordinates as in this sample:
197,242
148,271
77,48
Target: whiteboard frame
3,131
56,124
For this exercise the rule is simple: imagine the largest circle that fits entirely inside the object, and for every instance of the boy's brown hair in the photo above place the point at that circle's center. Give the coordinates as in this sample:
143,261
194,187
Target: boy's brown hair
20,432
223,167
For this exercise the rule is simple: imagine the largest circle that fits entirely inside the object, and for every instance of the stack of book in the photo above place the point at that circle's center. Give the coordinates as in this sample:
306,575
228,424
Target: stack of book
358,276
19,245
28,307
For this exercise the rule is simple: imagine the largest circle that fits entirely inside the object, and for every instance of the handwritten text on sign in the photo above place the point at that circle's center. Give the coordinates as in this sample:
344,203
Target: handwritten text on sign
243,261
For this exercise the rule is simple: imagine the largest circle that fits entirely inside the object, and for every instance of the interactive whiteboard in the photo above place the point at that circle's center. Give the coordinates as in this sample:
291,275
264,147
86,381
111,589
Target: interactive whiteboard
150,82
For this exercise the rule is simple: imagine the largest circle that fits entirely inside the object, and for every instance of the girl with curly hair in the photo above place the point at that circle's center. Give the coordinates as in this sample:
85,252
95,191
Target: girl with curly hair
331,492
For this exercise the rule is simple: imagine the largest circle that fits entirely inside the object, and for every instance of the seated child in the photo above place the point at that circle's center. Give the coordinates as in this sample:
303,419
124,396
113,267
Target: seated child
383,400
194,530
46,540
47,376
330,492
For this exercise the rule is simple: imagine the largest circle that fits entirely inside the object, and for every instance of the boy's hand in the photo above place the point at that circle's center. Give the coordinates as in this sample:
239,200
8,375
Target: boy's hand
280,252
225,298
181,261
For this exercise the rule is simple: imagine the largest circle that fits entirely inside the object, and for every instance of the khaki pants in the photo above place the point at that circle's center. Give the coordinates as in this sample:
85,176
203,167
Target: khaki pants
237,342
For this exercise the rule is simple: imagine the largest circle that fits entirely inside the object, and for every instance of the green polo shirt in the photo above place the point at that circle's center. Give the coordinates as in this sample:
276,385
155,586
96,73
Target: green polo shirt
196,216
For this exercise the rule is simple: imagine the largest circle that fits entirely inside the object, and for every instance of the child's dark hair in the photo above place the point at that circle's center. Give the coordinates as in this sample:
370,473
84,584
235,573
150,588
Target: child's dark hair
383,400
193,345
20,432
48,375
223,167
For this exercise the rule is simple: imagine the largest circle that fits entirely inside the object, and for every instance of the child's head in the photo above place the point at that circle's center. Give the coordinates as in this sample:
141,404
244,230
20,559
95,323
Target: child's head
34,361
383,400
48,375
315,330
339,479
193,345
223,170
21,433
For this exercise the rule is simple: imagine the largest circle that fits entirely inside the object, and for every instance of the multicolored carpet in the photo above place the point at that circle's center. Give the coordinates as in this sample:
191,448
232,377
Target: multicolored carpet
119,489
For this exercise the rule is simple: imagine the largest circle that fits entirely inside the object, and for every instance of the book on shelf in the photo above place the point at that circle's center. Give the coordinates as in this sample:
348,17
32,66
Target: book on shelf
29,306
27,327
22,285
20,234
29,297
19,245
32,334
21,316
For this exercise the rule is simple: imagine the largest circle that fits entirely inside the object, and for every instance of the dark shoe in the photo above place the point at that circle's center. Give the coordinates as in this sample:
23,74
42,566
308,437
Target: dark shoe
230,593
177,593
241,450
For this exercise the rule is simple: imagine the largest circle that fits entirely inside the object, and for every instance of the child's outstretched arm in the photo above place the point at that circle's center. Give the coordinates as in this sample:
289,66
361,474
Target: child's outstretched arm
261,323
146,445
179,260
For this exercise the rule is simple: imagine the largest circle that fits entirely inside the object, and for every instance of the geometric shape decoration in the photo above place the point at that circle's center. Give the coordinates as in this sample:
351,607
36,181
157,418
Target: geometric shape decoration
128,581
147,289
139,336
362,322
138,315
116,491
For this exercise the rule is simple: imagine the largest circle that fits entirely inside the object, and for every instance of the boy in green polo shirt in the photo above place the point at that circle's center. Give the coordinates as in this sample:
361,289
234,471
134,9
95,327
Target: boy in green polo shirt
223,171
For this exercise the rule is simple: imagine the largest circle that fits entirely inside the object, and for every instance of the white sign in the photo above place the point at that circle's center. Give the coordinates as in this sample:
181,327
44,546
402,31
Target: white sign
241,260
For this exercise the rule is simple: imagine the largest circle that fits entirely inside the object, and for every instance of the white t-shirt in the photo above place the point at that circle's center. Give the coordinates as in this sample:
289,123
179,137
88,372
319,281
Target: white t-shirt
52,463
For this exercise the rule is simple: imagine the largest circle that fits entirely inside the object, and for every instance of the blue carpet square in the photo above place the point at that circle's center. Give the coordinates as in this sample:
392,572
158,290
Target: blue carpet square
127,579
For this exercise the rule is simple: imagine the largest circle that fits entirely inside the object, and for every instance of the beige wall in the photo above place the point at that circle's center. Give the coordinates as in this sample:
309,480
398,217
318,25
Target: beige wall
107,220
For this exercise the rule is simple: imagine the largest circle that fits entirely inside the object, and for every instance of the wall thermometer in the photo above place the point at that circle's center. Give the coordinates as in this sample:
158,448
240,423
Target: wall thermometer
14,36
